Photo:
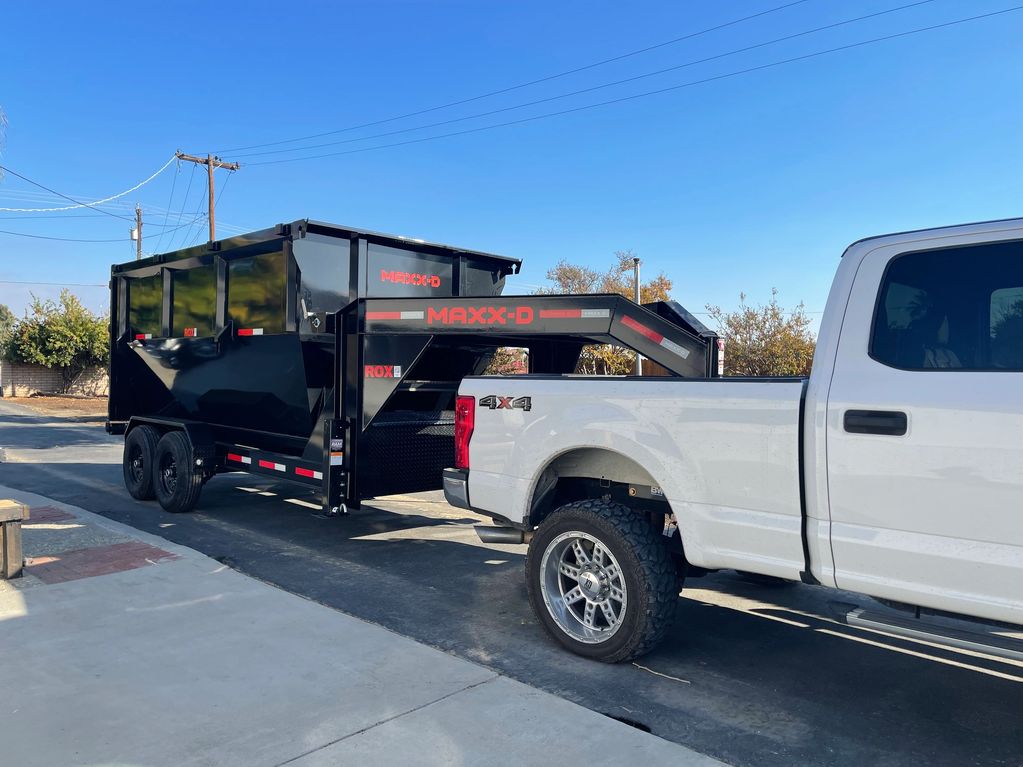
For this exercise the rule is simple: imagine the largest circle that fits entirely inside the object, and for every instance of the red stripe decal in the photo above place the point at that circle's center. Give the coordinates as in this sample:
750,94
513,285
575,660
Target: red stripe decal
266,464
304,472
383,315
245,331
560,314
642,330
234,457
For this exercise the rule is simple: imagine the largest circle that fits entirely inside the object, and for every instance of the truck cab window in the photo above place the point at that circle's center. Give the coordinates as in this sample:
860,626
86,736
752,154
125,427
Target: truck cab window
145,306
956,308
195,302
257,293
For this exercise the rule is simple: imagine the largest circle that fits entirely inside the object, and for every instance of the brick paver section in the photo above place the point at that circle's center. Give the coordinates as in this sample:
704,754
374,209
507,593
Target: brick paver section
98,560
47,514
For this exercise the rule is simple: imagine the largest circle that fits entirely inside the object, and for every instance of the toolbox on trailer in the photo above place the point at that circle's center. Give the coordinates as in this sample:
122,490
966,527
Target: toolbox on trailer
330,356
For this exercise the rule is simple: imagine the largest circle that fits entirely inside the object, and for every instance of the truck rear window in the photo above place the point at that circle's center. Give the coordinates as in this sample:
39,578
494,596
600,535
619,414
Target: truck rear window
257,292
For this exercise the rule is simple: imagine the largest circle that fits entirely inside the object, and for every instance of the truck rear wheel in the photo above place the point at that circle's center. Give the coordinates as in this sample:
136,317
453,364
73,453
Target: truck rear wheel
137,461
601,580
175,480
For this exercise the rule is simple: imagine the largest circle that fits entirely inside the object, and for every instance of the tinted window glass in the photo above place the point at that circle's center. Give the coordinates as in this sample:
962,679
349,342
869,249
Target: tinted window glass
257,292
958,308
145,305
195,301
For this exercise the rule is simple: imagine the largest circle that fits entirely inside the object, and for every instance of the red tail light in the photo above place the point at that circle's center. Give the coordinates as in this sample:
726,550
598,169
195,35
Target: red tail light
465,420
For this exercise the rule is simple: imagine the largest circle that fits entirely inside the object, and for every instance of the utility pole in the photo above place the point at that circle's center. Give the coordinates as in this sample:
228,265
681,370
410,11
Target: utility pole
210,162
636,298
138,232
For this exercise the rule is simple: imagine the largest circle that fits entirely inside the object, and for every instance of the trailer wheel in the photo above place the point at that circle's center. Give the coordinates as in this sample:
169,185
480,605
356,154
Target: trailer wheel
601,580
176,482
137,461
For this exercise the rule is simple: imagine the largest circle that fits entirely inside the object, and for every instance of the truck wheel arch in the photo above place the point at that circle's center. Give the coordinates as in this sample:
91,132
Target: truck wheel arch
583,472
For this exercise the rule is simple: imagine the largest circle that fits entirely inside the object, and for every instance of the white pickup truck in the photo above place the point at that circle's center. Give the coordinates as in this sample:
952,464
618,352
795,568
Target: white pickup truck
895,470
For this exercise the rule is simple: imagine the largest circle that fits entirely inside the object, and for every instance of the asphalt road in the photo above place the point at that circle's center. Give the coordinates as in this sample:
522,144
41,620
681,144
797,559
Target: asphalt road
750,674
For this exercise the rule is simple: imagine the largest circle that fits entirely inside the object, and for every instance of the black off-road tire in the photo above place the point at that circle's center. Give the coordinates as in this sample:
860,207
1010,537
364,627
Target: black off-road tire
137,462
175,480
650,576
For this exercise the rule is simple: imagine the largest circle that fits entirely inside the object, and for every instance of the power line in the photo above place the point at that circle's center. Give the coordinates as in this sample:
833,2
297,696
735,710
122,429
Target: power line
77,204
602,86
545,79
71,239
60,239
658,91
170,202
56,284
184,202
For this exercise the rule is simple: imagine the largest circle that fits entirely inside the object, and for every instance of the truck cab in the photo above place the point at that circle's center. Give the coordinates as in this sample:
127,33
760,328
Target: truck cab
895,470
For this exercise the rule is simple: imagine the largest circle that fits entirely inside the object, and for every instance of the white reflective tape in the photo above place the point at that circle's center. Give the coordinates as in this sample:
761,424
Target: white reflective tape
591,313
257,331
317,475
412,315
280,467
246,459
671,346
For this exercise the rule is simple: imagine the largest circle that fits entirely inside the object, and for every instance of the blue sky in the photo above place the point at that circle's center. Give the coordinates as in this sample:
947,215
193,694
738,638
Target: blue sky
739,184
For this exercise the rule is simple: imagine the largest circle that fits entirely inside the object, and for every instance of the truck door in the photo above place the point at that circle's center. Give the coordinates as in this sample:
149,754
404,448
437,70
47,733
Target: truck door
925,428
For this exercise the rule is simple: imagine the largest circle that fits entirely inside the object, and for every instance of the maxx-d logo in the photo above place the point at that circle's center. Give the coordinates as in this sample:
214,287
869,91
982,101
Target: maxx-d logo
495,402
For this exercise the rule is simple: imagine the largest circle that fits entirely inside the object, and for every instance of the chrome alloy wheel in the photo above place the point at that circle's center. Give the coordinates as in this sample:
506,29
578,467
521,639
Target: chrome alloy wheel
583,587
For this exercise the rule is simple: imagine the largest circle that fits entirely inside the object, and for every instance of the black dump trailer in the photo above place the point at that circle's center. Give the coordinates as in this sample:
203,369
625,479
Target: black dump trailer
331,356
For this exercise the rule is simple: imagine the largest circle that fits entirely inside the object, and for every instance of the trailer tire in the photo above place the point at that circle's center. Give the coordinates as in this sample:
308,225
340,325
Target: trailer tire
137,462
175,480
601,580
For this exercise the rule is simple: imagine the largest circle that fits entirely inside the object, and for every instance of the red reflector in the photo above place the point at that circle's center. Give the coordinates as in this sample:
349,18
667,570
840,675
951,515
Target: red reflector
267,465
304,472
383,315
234,457
642,329
465,421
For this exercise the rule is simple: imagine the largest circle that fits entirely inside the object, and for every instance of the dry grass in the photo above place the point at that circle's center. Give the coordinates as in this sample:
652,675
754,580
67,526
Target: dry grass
64,406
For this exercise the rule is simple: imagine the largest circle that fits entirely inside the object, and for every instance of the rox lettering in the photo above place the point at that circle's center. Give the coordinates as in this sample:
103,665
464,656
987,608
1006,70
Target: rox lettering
495,402
410,278
382,371
480,315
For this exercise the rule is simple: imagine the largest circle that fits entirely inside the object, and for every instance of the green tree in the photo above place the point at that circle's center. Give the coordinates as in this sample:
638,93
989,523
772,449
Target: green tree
60,334
765,340
7,323
606,359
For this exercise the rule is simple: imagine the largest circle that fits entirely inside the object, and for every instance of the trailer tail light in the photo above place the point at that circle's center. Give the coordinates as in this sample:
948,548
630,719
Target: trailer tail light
465,420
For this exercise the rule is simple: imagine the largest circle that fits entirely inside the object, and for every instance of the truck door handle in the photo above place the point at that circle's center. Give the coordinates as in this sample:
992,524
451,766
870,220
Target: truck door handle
891,422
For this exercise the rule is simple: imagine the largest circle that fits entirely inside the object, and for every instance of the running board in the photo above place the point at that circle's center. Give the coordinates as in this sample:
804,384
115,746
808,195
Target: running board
916,628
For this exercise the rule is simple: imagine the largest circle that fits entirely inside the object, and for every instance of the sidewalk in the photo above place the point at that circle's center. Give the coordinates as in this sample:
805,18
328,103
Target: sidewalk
120,648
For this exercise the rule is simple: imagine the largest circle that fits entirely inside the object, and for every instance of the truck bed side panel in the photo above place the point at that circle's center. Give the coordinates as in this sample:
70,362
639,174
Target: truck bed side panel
725,453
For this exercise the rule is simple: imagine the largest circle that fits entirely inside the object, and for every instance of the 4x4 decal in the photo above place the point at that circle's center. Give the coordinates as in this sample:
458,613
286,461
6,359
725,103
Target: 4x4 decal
495,402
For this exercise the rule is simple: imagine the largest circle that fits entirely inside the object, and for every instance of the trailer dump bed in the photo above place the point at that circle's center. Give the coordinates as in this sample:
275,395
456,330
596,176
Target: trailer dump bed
331,356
